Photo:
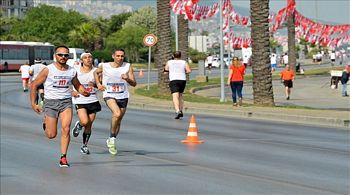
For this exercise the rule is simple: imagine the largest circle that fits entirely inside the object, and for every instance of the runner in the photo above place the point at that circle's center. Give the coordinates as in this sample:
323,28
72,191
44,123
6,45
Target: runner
116,76
86,106
34,70
177,70
57,78
24,70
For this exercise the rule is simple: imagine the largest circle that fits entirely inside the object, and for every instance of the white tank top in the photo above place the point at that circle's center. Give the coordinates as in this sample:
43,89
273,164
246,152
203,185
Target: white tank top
177,70
116,87
58,82
88,81
36,69
25,71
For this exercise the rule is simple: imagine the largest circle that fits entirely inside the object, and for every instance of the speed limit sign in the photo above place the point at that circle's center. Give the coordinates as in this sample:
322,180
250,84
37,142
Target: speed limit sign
149,40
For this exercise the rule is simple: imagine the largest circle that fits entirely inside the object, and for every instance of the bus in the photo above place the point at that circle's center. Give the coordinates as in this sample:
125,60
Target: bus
74,55
13,54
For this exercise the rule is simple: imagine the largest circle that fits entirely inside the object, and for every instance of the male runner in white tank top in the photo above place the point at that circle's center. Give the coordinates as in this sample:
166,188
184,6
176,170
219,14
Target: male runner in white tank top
177,70
116,76
57,77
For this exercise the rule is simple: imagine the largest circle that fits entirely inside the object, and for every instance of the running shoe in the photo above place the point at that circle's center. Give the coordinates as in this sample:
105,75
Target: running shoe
41,104
84,149
76,129
64,162
181,114
177,115
111,144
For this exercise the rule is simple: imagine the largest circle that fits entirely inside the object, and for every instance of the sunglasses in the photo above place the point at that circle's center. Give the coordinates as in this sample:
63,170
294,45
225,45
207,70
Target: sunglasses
66,55
119,56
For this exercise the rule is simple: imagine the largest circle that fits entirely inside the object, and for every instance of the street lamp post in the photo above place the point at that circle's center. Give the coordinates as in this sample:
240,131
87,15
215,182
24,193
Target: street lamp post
222,66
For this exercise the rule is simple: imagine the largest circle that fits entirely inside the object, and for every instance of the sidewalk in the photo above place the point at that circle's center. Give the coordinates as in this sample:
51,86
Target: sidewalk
337,115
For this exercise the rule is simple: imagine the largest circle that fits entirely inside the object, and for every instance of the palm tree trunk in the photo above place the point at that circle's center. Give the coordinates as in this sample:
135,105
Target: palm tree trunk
262,77
183,38
291,42
163,47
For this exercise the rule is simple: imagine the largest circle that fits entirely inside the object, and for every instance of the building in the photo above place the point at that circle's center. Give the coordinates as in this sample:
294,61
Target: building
15,8
200,43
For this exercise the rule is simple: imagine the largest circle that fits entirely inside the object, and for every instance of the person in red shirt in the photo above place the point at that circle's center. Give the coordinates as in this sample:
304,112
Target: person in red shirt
287,77
235,80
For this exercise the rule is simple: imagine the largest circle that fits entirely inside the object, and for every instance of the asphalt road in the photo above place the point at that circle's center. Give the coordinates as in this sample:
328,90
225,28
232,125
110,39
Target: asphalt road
238,156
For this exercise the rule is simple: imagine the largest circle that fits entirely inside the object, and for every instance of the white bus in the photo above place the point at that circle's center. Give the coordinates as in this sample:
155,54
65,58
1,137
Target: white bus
13,54
74,55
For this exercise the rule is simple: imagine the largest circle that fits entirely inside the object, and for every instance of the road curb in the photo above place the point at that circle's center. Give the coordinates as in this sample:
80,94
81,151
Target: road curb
300,119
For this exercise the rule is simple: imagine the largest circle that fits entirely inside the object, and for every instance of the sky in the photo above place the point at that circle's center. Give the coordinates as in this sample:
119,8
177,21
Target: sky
332,11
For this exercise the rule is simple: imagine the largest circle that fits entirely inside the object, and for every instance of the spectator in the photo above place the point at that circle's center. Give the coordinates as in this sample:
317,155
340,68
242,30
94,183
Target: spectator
344,80
235,80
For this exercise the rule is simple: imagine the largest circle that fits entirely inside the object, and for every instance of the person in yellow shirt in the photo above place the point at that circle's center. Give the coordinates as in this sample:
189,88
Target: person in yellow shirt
287,77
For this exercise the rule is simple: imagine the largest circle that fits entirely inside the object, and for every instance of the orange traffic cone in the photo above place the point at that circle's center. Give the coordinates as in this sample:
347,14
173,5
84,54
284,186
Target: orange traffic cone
141,74
192,137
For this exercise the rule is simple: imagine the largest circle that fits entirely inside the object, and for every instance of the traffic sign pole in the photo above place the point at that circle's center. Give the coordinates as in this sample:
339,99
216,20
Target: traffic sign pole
149,67
149,40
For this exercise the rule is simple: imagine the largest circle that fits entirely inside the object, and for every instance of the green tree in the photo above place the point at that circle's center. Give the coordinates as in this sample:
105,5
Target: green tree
130,39
102,24
117,21
85,35
262,77
145,17
48,23
163,47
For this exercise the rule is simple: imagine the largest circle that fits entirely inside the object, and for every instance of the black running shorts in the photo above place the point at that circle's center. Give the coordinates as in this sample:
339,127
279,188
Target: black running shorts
177,86
90,108
288,83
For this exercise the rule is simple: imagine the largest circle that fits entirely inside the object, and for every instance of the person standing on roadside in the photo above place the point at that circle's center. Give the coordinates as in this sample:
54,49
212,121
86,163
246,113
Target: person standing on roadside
177,70
273,61
24,70
344,80
285,59
210,62
235,80
116,76
332,57
57,77
287,77
34,70
86,107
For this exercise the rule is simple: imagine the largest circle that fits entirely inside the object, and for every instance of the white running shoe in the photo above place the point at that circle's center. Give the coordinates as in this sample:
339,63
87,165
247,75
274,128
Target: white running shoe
84,149
111,144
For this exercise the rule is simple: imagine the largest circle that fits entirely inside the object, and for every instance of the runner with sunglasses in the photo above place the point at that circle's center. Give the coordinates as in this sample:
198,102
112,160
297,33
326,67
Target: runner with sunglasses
57,78
116,76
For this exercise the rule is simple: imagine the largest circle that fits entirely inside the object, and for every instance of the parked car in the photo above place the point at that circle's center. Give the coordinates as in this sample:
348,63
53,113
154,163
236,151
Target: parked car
216,62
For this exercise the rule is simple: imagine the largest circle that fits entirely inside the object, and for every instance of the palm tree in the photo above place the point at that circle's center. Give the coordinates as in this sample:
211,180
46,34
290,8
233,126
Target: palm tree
183,30
163,47
262,77
183,36
291,42
86,34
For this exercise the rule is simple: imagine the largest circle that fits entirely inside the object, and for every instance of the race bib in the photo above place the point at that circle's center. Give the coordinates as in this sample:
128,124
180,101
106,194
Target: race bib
61,81
90,88
115,87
